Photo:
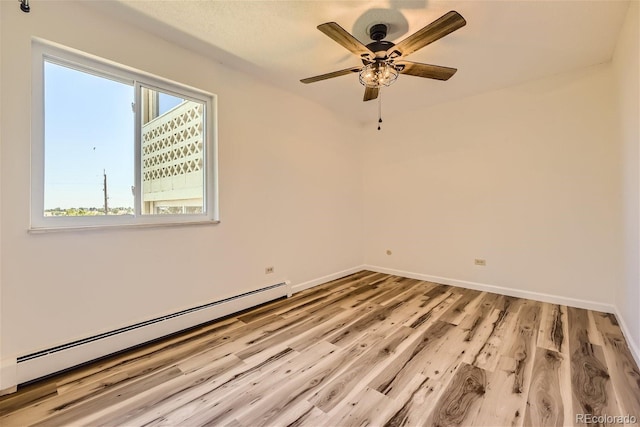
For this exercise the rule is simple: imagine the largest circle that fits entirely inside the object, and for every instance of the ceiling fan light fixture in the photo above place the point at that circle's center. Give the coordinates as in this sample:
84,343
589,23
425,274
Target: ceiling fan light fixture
378,74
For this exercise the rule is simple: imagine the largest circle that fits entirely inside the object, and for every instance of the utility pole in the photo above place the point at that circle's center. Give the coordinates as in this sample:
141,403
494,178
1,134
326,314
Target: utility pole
106,206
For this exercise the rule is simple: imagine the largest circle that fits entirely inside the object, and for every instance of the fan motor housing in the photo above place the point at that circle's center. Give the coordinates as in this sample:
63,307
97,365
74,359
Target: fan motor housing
380,46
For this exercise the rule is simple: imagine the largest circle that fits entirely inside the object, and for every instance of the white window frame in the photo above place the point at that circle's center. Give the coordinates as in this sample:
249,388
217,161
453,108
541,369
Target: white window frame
45,51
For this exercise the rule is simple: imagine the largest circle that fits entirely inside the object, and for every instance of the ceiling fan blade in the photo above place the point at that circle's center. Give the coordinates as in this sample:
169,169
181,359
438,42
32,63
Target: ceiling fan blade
428,71
370,93
331,75
345,39
439,28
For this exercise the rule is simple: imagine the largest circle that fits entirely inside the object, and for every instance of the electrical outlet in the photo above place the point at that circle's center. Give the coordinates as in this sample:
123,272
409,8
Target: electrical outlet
268,270
480,261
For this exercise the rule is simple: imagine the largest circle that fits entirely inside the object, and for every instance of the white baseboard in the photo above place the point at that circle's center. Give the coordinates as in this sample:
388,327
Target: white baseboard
320,280
631,342
519,293
59,359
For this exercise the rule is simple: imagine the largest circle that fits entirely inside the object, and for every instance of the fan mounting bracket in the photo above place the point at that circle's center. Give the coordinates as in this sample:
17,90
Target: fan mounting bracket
378,32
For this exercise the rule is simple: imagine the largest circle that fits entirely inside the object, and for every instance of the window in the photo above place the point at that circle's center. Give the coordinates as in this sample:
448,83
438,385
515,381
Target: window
113,146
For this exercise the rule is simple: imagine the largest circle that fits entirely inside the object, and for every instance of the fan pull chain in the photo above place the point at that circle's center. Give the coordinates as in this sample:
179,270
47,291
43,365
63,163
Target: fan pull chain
379,108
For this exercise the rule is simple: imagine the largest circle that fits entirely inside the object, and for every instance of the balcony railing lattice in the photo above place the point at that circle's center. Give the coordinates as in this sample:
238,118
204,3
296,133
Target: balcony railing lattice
172,156
172,143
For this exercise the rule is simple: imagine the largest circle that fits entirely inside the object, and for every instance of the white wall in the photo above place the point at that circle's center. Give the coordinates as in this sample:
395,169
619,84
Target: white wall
526,178
290,196
627,72
6,382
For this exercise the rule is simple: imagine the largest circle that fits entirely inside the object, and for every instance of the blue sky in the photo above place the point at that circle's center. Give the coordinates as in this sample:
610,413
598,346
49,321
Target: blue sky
89,127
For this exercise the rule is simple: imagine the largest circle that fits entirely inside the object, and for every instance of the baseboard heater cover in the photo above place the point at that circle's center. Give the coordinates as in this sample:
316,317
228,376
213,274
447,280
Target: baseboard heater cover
54,359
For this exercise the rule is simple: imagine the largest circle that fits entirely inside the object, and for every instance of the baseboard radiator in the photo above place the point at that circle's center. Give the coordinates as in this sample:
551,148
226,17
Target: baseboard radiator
61,357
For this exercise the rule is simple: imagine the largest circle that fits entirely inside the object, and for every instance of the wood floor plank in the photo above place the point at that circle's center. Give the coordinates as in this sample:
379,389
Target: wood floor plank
371,322
28,396
299,328
553,333
545,402
350,296
433,308
155,354
147,400
594,335
308,296
462,398
592,389
475,318
488,356
302,374
367,349
462,307
345,294
410,362
254,333
398,289
506,391
181,397
313,417
379,288
331,388
297,414
63,415
521,344
354,294
360,410
328,397
622,368
454,350
331,327
411,407
203,405
502,405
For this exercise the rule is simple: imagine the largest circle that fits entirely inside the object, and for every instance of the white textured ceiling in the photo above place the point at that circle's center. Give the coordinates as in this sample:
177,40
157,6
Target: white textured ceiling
503,43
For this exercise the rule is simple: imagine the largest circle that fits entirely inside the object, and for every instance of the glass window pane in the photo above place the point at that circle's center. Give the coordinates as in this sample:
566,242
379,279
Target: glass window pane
166,102
172,154
89,146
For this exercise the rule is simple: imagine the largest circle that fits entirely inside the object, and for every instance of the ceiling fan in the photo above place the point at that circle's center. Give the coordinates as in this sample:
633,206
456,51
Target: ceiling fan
383,60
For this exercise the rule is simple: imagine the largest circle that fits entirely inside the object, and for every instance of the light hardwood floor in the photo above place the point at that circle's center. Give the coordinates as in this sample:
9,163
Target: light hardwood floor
368,349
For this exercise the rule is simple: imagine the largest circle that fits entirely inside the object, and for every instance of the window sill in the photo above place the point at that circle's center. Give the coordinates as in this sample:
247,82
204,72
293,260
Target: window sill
44,230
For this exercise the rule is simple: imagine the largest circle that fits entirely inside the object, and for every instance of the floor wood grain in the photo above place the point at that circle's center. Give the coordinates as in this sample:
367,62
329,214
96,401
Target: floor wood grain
367,349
